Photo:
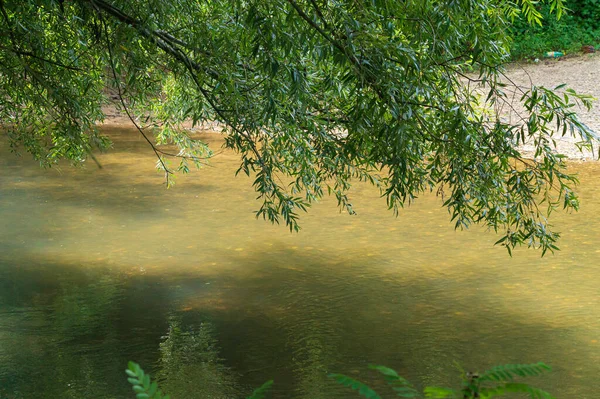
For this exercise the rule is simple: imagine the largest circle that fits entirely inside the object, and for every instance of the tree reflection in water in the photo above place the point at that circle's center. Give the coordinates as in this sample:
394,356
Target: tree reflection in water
190,366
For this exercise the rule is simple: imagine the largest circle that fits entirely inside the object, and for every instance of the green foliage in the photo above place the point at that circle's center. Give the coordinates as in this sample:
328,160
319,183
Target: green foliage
140,381
260,392
363,389
402,387
314,95
438,393
147,389
510,371
579,26
473,386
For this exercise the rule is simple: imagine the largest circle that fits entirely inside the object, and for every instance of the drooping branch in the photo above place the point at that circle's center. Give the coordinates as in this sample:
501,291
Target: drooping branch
37,57
169,44
165,41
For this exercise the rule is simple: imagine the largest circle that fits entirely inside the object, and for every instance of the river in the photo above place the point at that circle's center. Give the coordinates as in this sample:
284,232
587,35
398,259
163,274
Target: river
102,266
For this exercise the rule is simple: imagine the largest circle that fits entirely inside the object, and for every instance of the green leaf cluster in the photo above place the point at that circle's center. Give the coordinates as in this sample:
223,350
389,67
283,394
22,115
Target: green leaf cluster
141,383
147,389
578,26
314,95
473,386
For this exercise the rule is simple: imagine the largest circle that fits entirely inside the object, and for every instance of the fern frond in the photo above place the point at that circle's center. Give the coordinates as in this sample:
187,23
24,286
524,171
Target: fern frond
439,393
508,372
259,393
141,383
512,387
362,388
401,386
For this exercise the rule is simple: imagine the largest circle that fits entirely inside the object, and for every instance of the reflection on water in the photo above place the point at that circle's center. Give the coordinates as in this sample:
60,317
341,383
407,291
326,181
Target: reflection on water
102,266
190,366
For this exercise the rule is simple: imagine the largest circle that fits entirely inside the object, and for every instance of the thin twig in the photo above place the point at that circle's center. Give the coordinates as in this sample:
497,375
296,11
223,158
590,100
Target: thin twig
118,84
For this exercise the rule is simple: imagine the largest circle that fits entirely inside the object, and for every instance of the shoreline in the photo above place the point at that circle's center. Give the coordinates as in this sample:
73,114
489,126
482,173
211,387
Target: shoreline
580,72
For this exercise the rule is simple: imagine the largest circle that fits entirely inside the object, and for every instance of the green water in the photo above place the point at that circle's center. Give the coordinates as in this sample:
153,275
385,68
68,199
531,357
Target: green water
98,265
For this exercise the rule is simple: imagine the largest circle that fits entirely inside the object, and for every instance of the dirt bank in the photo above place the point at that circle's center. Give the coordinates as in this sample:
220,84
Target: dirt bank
581,73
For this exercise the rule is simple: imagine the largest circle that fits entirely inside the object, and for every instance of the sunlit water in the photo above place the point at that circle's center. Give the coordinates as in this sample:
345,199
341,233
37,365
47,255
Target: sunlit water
97,265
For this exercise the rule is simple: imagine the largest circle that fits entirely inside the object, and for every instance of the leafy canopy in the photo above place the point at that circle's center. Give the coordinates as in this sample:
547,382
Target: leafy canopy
408,95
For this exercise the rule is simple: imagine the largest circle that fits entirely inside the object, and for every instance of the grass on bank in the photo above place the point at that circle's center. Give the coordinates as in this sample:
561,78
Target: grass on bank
579,27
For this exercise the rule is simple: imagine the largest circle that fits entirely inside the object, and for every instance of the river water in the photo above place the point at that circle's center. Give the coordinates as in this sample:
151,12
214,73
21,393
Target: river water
102,266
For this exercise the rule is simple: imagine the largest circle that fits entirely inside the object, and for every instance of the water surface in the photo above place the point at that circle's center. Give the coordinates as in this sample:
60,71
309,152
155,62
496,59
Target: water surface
102,266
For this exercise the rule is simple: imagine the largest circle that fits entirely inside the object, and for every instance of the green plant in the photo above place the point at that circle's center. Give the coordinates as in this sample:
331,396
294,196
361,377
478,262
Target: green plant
142,385
314,95
259,393
145,388
495,382
579,26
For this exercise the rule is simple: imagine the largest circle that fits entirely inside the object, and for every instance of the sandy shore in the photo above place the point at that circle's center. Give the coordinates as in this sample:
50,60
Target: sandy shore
582,73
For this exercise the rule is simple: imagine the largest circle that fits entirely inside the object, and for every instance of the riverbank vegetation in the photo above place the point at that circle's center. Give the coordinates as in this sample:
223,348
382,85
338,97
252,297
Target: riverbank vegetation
579,27
314,93
492,383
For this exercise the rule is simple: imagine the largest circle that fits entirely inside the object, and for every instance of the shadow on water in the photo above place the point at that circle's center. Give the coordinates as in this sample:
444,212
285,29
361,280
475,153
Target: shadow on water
127,184
71,330
41,208
101,267
104,190
296,320
68,331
